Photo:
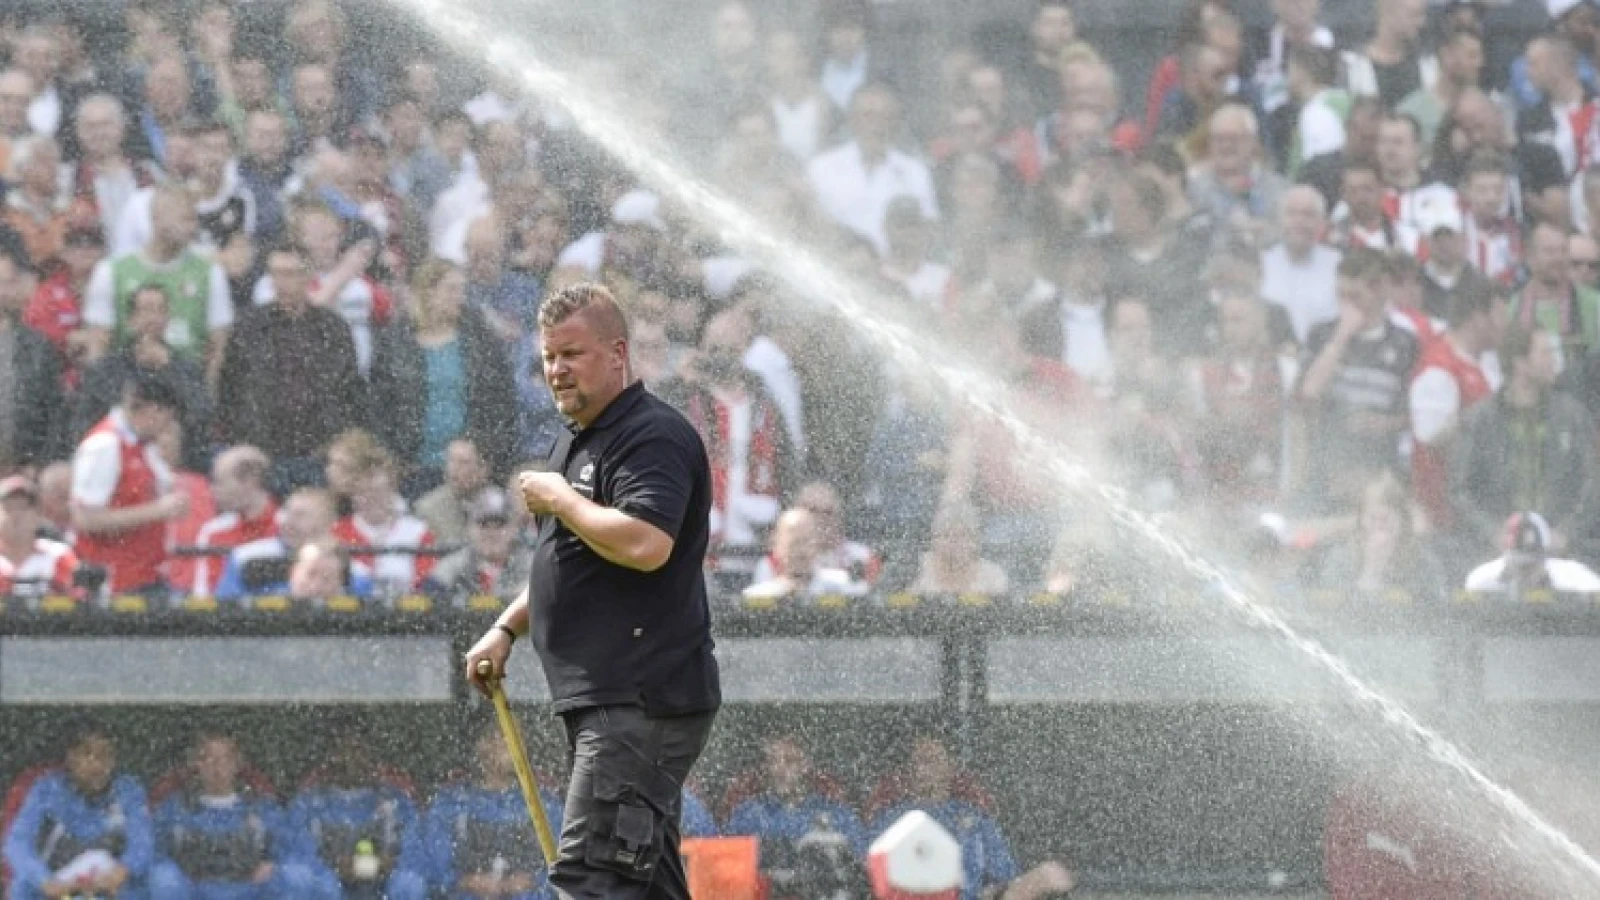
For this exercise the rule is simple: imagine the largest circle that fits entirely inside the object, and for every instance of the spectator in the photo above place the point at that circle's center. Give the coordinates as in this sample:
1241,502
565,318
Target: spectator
1294,25
1399,157
56,310
904,472
726,78
1448,275
316,30
55,501
836,550
216,837
167,104
105,842
1493,236
501,156
262,567
318,114
1553,69
1300,273
31,565
1231,183
442,376
1527,565
381,536
354,451
954,564
1449,381
811,840
37,51
855,182
1527,448
1241,391
1325,172
30,377
1319,127
445,508
16,93
491,563
1362,219
1197,22
1550,301
908,261
507,299
1386,558
34,206
339,277
264,169
321,573
475,840
358,813
105,178
123,492
1390,67
1148,258
1354,383
247,513
801,111
290,382
1583,255
245,86
797,567
146,351
1203,87
1053,29
1461,58
417,170
379,205
201,307
1083,311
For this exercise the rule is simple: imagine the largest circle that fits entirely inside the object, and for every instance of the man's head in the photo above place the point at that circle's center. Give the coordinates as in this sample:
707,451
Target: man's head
1461,58
1530,357
1402,19
1360,284
315,29
1483,184
821,500
1204,74
1299,17
583,339
217,762
35,166
500,150
320,234
1547,256
16,93
213,145
1583,259
1131,334
19,510
1242,323
723,344
308,516
167,89
1304,215
152,405
464,468
1580,23
1399,149
845,24
375,489
1053,28
266,138
795,544
91,758
1362,192
1310,69
149,313
286,265
239,479
101,124
253,86
173,222
1552,62
490,525
1233,140
787,766
1361,128
37,51
1138,206
874,116
312,93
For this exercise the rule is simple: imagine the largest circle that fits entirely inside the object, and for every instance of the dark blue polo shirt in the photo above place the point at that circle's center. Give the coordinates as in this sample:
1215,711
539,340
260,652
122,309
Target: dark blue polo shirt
609,634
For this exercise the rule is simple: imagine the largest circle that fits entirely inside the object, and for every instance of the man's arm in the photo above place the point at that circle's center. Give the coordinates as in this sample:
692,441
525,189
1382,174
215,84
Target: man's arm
1325,365
95,471
618,537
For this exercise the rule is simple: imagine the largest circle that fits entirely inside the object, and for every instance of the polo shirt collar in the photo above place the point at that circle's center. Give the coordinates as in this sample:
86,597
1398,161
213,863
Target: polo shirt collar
619,406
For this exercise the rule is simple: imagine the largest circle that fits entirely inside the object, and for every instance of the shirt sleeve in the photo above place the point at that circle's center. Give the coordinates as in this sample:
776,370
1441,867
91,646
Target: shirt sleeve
99,304
652,481
27,869
96,468
1435,399
219,301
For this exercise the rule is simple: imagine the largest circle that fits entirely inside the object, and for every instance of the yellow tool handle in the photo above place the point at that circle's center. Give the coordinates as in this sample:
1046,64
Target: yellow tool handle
519,761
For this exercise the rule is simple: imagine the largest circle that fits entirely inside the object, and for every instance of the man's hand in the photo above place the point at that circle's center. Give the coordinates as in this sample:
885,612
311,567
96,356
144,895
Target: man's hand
1352,321
262,873
56,889
495,646
112,881
174,505
1045,880
542,491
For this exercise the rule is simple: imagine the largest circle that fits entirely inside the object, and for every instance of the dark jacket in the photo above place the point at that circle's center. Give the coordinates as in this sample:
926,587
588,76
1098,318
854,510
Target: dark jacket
1485,470
290,383
400,390
102,389
40,409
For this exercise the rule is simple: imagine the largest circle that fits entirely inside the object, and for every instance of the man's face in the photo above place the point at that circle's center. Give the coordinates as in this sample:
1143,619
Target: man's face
166,88
373,498
846,40
970,127
464,470
787,59
1397,148
1241,322
173,219
40,56
100,130
266,138
873,116
252,81
1231,146
1303,220
312,90
217,765
1447,247
151,422
289,277
19,517
502,149
1053,28
1406,17
1362,296
90,763
305,519
1363,194
1208,82
321,236
149,315
1547,257
579,365
1131,337
405,123
213,152
1486,195
1462,60
1581,25
492,538
16,92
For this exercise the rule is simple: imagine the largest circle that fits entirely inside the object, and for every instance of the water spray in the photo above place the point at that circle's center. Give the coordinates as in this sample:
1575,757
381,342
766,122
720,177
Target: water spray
807,273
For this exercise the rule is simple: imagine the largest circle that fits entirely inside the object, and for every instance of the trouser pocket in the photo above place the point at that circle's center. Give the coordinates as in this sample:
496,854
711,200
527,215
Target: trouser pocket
627,824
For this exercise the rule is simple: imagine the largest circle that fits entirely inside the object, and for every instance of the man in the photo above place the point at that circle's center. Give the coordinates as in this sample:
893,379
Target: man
261,568
491,563
501,154
1564,118
1367,222
168,102
1493,235
622,540
1053,28
358,812
225,208
290,382
31,405
836,551
1529,447
247,513
122,490
378,520
216,839
1231,183
445,508
1449,382
1527,565
476,840
1354,383
34,206
339,276
84,830
1460,68
265,170
1299,273
909,261
55,501
1551,302
810,837
197,288
1319,126
1294,25
1447,275
147,351
105,179
855,182
31,566
16,92
1326,172
1399,157
794,567
1390,67
1202,87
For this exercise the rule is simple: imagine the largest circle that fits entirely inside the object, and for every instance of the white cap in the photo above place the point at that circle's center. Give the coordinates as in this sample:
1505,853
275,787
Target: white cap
638,207
917,858
1439,211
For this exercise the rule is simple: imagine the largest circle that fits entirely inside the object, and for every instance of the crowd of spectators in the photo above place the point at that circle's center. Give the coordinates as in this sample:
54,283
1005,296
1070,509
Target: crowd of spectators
268,295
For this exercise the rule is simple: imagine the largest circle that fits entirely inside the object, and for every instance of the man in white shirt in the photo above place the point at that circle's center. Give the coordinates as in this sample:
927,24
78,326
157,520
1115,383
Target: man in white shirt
1527,565
1300,274
855,182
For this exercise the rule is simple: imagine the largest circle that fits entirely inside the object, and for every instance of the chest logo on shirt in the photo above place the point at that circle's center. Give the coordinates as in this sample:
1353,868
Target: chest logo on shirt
585,479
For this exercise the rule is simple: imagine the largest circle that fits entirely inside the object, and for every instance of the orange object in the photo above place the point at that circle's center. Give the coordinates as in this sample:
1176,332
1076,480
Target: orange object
727,868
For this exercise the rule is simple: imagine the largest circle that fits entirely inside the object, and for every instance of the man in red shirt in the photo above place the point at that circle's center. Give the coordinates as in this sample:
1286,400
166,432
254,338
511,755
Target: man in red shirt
30,566
1448,382
378,520
247,513
122,490
56,310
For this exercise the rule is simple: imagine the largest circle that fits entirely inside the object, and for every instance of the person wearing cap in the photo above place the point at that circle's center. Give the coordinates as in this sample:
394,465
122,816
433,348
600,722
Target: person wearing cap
492,563
30,566
31,403
122,490
1528,566
1447,273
